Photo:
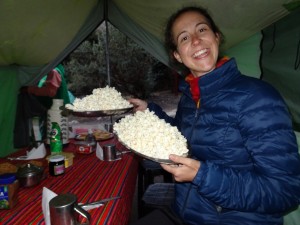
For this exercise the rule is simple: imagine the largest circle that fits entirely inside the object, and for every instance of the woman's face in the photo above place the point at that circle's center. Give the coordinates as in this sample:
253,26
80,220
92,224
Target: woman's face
197,44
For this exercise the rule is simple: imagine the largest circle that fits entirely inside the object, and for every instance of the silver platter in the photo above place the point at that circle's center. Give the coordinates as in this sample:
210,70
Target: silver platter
100,113
163,161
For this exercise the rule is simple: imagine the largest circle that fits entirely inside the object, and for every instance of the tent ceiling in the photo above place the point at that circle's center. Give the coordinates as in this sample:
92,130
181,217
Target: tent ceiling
34,32
238,19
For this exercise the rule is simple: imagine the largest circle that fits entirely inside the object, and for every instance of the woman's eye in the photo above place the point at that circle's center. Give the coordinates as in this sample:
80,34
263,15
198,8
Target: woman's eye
202,30
183,38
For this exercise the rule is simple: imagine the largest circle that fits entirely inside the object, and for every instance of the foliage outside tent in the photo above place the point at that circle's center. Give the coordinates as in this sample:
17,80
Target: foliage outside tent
132,70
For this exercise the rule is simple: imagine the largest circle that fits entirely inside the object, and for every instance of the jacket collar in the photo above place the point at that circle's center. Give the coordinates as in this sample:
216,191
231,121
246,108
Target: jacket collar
212,82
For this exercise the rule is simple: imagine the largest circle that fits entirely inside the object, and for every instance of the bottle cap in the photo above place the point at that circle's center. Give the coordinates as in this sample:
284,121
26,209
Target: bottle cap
56,158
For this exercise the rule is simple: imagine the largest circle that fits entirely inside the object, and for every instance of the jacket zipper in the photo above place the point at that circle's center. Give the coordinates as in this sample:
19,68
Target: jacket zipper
189,190
198,107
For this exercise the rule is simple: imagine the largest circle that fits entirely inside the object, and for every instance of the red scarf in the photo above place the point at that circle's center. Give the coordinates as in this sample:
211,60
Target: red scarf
193,82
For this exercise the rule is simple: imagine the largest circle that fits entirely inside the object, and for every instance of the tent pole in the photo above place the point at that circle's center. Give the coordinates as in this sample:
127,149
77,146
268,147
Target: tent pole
107,42
106,46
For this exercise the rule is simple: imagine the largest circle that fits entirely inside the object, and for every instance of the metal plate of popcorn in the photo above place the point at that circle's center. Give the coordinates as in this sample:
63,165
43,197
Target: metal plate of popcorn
100,113
164,161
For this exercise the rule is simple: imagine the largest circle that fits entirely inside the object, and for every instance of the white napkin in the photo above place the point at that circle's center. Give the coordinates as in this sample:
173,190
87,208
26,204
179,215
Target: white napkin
37,153
99,152
47,196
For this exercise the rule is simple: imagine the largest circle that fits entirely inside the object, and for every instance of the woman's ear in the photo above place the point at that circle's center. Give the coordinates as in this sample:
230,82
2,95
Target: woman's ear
218,38
177,56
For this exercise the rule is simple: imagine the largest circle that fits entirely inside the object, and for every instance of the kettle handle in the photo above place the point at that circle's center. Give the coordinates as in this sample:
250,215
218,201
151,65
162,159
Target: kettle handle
84,213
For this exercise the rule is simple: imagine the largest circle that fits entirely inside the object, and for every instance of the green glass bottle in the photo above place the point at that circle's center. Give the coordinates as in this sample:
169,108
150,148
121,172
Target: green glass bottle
55,139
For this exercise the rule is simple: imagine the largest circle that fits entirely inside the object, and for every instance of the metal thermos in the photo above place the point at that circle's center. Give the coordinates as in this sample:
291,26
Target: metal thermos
63,210
109,152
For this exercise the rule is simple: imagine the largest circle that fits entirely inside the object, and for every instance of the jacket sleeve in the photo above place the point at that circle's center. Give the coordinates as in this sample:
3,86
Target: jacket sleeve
161,114
273,183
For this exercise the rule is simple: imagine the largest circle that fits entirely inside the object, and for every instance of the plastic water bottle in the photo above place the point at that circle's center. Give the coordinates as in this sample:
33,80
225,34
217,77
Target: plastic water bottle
90,138
55,139
90,142
55,114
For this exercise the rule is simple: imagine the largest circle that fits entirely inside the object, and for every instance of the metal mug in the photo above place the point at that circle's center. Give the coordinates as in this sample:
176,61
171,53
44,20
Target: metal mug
63,210
109,152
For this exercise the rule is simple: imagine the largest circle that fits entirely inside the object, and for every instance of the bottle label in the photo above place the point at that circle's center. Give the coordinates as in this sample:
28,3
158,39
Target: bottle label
55,139
59,169
84,149
4,203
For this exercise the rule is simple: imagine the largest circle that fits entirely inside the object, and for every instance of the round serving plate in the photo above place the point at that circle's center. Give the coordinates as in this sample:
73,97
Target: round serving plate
100,113
163,161
103,136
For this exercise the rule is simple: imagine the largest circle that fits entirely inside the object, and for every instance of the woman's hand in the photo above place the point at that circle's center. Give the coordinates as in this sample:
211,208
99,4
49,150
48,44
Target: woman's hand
186,169
138,104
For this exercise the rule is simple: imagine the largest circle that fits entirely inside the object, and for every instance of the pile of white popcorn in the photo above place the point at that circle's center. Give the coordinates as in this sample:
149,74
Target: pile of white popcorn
107,98
146,133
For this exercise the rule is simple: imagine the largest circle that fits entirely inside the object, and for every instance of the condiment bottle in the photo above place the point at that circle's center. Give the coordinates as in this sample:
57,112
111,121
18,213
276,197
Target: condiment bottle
56,165
9,186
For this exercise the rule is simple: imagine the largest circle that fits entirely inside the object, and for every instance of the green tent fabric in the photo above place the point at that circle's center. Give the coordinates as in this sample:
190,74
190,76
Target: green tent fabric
9,85
35,37
281,61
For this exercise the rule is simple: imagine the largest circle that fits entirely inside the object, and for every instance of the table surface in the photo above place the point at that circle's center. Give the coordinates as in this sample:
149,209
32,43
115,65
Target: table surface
90,179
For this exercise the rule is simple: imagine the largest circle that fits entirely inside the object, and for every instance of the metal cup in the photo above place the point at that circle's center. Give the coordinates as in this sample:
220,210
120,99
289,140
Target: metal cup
109,127
63,210
109,152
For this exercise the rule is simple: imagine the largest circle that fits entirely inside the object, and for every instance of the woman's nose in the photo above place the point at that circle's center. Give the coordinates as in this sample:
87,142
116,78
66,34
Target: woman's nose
195,39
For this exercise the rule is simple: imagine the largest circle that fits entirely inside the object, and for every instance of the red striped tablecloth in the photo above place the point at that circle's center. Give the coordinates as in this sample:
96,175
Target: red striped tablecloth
90,179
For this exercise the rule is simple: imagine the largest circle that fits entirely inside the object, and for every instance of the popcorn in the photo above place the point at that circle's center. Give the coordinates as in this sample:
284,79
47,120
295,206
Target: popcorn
107,98
145,133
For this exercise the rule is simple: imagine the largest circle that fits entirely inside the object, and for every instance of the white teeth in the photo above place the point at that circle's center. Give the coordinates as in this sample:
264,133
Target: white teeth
200,53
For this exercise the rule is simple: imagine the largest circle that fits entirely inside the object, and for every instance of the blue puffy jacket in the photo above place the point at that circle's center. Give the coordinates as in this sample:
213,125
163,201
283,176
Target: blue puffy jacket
243,136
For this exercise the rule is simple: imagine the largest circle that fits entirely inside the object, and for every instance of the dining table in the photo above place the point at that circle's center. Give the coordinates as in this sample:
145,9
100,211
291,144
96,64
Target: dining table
89,178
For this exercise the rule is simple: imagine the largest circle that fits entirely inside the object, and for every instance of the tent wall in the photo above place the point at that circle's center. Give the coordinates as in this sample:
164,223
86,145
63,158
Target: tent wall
281,61
247,55
70,21
237,19
9,86
145,39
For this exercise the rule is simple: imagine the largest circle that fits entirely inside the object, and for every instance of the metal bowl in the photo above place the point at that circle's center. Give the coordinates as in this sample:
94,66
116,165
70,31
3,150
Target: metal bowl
29,175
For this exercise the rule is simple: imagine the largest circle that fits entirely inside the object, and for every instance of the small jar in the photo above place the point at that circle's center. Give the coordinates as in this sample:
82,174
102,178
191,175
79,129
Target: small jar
9,186
57,165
